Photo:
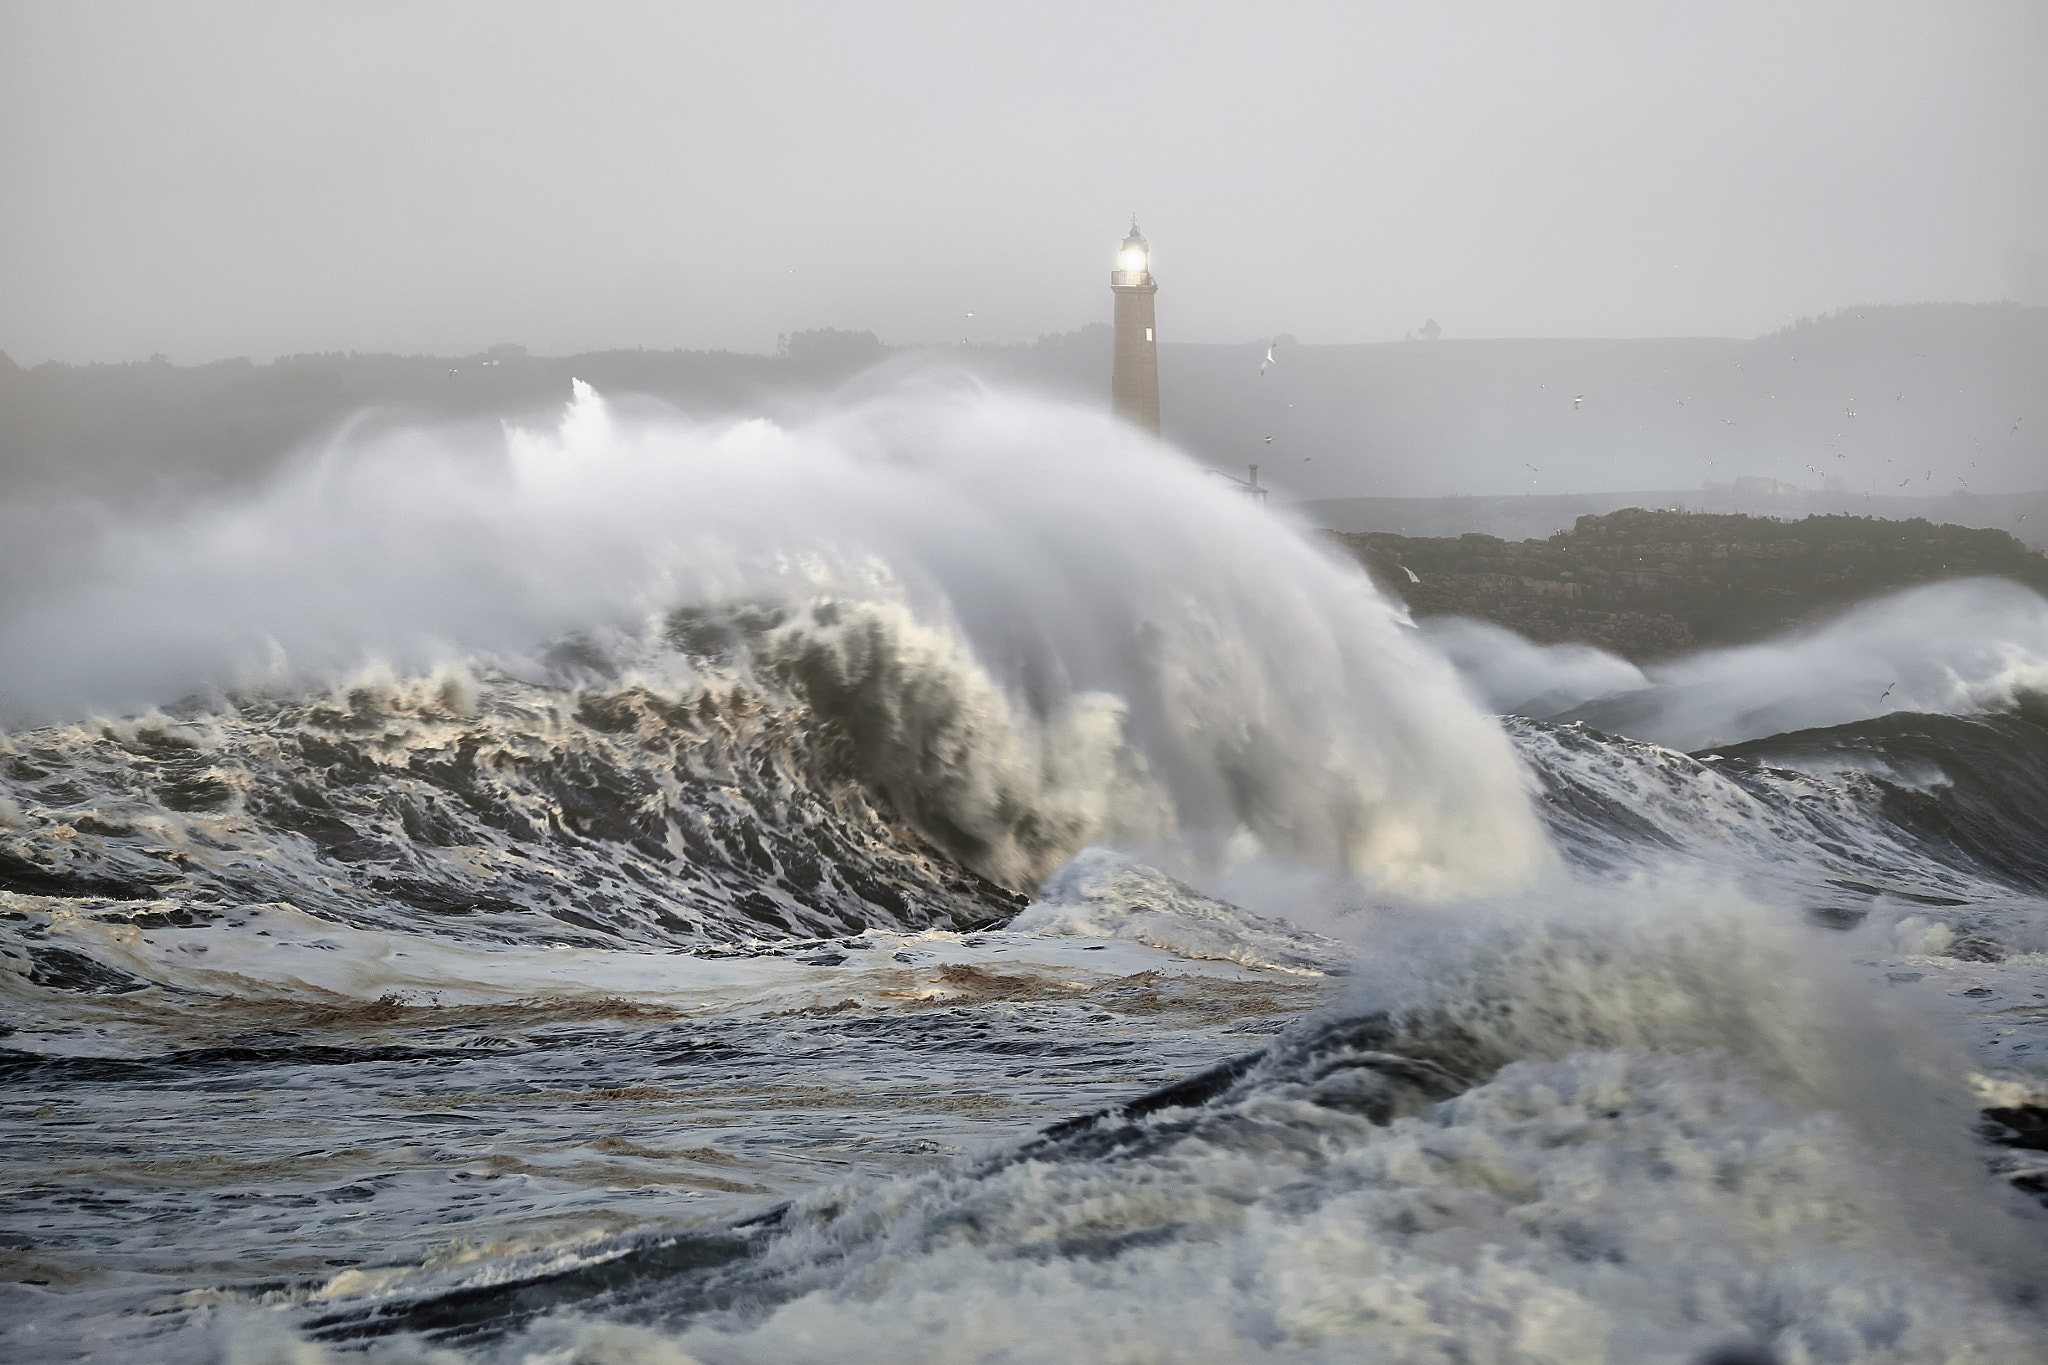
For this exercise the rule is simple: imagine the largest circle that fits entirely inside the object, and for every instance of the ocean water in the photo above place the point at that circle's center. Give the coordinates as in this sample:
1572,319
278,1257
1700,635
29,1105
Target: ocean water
937,880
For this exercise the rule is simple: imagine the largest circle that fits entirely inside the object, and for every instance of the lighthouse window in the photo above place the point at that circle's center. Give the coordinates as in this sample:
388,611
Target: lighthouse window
1148,334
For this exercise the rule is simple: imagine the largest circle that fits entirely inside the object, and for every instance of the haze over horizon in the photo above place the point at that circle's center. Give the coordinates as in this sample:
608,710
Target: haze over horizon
236,180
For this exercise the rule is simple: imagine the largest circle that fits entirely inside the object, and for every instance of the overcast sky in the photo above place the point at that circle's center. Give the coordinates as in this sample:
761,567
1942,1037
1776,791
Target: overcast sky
210,179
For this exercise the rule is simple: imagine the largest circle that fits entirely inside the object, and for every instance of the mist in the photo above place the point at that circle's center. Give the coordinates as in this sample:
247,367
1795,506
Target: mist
221,180
1500,252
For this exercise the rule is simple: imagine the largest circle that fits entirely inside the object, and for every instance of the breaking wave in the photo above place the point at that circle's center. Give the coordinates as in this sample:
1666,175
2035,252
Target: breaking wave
1958,648
1021,628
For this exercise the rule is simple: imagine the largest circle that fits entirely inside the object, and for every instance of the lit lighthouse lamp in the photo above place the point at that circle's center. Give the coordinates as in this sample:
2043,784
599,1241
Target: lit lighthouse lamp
1134,256
1134,366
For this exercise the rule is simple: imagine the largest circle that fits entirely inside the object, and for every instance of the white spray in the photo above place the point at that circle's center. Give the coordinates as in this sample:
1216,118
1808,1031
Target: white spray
1144,654
1946,648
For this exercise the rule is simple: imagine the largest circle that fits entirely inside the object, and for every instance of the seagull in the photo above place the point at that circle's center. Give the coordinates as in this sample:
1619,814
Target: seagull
1270,359
1269,440
1901,398
1887,693
1580,399
1306,458
451,374
1850,411
1727,421
2016,422
1411,574
1904,482
1530,467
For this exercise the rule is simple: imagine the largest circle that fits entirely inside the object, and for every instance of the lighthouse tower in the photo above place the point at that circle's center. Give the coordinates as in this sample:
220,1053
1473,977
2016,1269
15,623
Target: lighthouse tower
1134,371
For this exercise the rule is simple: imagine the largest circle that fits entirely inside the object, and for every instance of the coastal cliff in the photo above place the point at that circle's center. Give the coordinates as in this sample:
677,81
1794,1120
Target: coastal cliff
1649,585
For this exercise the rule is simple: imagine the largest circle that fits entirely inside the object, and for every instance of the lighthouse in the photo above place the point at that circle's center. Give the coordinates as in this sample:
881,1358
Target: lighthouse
1134,369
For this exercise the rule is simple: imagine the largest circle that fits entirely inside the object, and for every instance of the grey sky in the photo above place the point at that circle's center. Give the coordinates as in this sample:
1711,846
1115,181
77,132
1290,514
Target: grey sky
212,179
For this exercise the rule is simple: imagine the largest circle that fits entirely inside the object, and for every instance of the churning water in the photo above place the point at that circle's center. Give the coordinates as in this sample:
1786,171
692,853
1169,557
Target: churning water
941,881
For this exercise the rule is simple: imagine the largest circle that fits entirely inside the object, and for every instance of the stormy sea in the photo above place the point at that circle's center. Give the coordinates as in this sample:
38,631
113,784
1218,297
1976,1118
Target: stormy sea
937,879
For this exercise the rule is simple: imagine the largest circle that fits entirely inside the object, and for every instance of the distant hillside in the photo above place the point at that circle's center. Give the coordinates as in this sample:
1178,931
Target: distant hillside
1919,400
138,431
1944,397
1922,402
1648,585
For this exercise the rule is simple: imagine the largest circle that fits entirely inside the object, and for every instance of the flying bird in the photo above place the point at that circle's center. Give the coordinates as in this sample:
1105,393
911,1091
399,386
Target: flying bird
1411,574
452,373
2016,422
1887,693
1270,359
1580,399
1269,440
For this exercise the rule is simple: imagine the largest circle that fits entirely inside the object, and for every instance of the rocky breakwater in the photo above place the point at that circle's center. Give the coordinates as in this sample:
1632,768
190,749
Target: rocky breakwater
1649,585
